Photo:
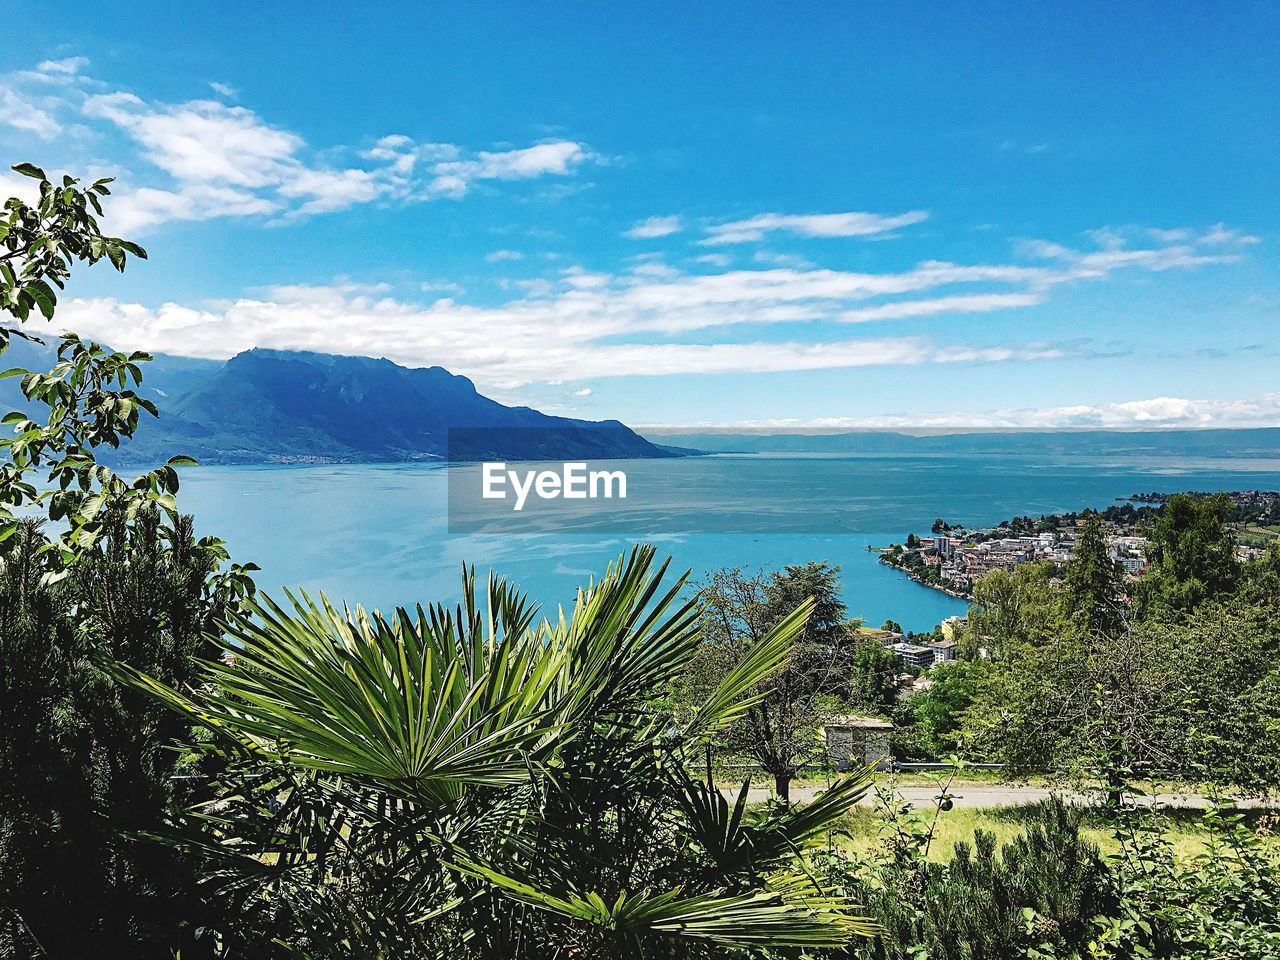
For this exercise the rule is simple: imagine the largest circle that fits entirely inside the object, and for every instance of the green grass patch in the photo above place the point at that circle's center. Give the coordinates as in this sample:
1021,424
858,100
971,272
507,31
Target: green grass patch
862,829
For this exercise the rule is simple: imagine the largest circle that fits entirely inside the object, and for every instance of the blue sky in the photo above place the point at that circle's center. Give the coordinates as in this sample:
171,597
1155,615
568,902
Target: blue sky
721,214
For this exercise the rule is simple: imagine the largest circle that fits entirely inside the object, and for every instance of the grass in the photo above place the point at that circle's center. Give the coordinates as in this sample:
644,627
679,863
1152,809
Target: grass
732,778
861,830
973,778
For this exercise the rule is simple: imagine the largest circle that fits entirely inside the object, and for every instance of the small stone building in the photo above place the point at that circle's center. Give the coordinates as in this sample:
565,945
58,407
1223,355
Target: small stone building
854,741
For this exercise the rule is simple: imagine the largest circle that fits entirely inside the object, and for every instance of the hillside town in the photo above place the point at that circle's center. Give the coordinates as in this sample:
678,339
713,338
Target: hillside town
953,558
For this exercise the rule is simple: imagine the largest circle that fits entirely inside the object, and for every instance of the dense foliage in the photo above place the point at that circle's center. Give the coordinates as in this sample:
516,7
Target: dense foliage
474,782
87,765
1182,663
1051,894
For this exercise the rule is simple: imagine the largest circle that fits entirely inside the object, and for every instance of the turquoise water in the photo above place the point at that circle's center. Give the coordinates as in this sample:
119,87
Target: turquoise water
378,534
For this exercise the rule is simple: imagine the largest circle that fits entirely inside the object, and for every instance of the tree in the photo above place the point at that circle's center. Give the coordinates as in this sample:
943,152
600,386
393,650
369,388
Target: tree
892,626
1094,581
1191,554
477,783
87,765
781,732
932,719
913,541
88,393
1193,692
38,244
1013,607
874,684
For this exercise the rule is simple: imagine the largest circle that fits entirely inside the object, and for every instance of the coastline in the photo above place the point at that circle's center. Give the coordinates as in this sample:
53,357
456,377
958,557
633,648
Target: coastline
886,559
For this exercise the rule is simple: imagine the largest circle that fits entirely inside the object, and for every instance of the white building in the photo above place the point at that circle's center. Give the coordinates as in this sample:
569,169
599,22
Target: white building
855,741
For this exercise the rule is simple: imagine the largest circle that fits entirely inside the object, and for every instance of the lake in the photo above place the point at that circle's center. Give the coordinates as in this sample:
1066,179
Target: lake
378,534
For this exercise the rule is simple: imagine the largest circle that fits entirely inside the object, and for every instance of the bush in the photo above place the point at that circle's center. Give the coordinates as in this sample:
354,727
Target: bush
1038,892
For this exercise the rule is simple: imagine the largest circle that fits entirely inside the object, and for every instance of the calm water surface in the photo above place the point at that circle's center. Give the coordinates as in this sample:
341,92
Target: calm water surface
378,534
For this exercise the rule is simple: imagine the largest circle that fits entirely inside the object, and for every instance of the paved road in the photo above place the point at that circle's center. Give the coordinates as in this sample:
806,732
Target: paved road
983,795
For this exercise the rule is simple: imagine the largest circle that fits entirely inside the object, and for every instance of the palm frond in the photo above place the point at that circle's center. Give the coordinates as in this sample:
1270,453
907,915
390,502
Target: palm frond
746,684
790,911
624,639
740,846
400,702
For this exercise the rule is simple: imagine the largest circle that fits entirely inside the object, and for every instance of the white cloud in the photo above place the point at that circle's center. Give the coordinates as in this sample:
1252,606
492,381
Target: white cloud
135,211
22,114
28,99
557,158
501,347
781,259
66,67
222,89
15,185
853,224
1032,148
204,141
599,324
584,392
655,227
497,256
1174,248
976,303
225,160
713,259
442,286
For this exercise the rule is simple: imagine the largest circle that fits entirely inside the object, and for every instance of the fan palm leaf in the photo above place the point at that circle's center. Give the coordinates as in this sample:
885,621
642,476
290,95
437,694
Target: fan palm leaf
789,911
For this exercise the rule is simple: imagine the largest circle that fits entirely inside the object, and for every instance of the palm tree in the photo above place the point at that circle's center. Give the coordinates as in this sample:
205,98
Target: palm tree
475,782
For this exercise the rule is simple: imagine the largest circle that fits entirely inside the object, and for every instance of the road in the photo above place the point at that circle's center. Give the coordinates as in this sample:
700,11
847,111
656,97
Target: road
984,795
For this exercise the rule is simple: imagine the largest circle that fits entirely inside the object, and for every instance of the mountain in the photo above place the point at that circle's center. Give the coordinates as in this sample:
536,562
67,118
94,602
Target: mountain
1260,442
272,406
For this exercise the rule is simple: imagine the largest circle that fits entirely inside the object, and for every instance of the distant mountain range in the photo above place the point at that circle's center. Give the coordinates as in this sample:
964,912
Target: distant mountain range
273,406
1262,442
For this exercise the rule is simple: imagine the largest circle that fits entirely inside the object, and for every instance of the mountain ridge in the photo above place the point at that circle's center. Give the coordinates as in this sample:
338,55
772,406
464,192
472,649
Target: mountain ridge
293,406
286,406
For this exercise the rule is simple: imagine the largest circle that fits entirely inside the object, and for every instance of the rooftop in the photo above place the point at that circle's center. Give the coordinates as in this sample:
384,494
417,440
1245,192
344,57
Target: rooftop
858,722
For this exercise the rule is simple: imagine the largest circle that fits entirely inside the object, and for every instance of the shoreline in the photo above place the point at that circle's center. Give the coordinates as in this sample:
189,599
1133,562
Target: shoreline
915,578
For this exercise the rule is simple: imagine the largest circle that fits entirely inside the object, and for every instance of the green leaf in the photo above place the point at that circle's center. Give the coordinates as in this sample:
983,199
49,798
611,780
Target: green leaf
43,295
132,248
29,170
790,911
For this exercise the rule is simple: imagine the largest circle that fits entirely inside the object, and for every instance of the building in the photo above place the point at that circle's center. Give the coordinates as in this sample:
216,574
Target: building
1133,565
886,638
946,546
944,651
911,655
855,741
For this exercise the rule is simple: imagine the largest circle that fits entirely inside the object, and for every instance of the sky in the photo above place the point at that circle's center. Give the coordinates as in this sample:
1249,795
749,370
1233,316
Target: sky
746,214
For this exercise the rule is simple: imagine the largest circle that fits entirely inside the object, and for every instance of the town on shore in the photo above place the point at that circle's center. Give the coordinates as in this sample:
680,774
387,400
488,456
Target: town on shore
952,558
